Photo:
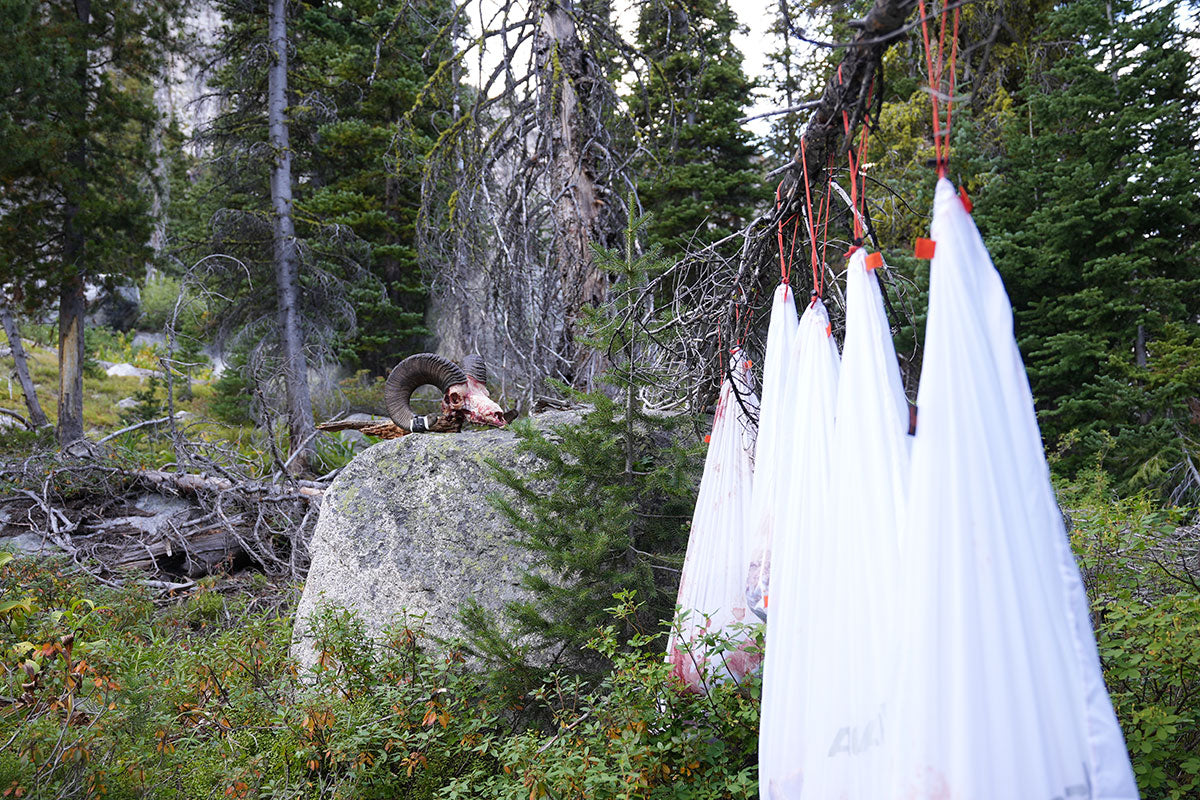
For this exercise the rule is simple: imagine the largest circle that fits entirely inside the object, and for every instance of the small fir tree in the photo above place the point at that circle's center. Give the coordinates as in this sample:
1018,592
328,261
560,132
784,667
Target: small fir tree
607,508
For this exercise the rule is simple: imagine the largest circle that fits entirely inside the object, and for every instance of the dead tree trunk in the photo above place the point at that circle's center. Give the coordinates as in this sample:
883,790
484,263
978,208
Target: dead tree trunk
847,91
569,77
71,300
287,279
37,417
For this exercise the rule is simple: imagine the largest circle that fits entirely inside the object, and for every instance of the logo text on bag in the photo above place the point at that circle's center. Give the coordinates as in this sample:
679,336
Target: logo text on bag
854,739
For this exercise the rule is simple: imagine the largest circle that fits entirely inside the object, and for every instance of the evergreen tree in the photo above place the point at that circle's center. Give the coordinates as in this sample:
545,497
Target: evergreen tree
789,83
370,61
623,487
76,120
1093,217
700,179
355,70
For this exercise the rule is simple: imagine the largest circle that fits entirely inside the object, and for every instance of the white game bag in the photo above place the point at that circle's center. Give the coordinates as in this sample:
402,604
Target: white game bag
798,558
844,673
712,600
772,463
1000,694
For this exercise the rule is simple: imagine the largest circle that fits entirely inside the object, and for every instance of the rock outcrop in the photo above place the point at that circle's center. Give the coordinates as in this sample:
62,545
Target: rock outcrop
407,529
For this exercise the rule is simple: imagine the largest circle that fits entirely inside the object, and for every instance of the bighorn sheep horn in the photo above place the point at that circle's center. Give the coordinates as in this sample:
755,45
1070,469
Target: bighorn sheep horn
464,393
476,367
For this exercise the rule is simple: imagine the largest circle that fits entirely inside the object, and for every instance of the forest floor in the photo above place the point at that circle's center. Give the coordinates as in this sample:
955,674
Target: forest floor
162,508
112,402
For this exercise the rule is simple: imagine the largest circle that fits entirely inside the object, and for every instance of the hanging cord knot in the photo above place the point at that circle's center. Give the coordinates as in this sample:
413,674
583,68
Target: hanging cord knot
785,265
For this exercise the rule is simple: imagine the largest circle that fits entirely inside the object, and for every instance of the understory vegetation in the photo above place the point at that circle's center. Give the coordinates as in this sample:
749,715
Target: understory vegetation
123,693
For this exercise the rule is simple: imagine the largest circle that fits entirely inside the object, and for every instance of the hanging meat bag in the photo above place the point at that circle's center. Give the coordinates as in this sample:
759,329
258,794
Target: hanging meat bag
1001,692
706,644
835,713
798,558
772,461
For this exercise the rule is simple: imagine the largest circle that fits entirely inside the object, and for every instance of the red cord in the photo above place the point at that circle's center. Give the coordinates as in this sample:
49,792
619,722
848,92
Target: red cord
950,94
855,160
812,229
825,227
941,136
783,267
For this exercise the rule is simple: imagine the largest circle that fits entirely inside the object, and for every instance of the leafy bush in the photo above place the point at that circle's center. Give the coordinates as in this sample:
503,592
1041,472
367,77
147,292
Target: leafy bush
637,735
159,297
363,393
105,344
1142,570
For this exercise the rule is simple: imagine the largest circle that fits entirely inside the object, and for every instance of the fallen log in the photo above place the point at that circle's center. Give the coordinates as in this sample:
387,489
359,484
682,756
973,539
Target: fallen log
189,484
152,523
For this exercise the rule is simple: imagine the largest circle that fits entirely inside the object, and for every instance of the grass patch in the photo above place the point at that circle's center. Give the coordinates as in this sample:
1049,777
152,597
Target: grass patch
102,415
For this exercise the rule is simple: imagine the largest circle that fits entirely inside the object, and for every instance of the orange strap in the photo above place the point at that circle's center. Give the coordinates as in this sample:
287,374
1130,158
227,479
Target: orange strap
812,228
785,268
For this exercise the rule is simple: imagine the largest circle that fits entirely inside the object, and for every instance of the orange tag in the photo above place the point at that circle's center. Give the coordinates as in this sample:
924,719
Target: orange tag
924,248
829,329
707,438
874,261
966,200
749,363
765,598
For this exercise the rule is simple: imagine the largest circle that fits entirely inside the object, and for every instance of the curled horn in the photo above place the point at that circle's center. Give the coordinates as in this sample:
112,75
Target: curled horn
412,372
476,367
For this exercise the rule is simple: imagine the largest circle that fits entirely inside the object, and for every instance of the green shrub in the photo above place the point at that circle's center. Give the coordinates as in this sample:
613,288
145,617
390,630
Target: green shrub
1142,571
363,393
160,295
637,735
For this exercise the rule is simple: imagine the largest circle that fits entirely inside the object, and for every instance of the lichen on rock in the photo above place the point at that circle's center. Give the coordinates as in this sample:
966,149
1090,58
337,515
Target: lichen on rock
406,531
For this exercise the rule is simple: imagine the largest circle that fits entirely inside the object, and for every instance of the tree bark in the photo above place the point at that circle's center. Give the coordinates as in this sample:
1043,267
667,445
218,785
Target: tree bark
877,31
71,300
287,279
568,72
37,417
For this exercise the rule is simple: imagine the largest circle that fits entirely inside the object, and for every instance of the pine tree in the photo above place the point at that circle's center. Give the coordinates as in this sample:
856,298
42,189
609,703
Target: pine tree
1093,219
701,183
76,121
355,69
363,160
623,488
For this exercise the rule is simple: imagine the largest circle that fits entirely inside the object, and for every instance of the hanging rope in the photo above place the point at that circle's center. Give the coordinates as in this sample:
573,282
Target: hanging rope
785,265
812,229
825,227
938,88
858,200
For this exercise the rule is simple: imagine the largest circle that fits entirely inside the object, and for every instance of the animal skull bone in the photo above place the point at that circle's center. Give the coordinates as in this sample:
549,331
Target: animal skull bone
465,396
